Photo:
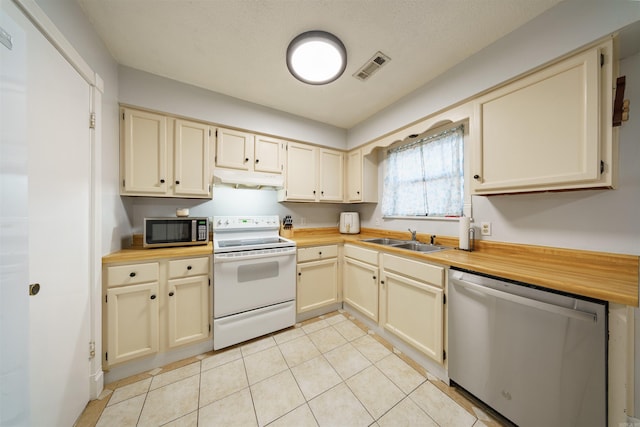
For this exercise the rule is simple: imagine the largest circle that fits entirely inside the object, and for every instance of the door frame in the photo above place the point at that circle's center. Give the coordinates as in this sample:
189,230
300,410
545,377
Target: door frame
49,30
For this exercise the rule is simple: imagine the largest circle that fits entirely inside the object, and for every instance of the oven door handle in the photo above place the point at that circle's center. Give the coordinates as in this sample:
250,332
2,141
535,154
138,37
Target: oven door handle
250,255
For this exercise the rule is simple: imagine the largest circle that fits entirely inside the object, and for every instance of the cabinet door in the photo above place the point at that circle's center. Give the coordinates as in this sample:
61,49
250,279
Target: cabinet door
192,174
234,149
354,176
268,154
317,284
361,287
132,325
144,153
541,132
188,312
301,172
414,312
331,176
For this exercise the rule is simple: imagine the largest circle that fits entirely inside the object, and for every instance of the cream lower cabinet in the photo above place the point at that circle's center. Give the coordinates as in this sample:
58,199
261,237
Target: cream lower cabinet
151,307
412,303
361,278
318,282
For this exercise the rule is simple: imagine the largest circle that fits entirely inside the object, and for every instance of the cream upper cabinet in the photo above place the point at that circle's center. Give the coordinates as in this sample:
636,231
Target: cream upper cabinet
360,281
313,174
550,130
318,282
331,176
249,152
164,157
269,154
362,177
412,303
192,159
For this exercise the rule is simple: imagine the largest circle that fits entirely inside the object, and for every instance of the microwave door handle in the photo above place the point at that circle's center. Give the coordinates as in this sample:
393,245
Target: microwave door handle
563,311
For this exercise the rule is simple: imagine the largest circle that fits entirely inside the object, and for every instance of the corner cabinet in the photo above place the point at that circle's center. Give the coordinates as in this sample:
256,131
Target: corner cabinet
412,304
313,174
151,307
362,177
318,285
164,157
550,130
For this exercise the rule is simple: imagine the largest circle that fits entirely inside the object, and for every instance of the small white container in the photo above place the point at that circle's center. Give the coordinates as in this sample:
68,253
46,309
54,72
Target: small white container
182,212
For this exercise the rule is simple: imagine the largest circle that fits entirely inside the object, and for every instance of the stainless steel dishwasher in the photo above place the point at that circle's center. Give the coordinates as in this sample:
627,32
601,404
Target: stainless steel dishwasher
536,357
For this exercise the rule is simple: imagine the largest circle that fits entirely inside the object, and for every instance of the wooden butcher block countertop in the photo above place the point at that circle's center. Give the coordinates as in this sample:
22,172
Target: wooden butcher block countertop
601,275
137,253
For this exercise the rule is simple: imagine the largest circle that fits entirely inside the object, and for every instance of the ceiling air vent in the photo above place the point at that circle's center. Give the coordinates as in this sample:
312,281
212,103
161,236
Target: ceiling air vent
371,66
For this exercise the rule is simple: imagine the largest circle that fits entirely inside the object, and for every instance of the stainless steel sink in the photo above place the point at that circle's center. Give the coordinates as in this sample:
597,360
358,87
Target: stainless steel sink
385,241
420,247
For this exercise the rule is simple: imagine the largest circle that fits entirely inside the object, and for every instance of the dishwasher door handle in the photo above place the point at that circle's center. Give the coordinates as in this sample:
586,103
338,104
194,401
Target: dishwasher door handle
551,308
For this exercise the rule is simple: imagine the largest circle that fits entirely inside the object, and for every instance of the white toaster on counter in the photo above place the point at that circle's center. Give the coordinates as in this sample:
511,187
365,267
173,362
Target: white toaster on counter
349,222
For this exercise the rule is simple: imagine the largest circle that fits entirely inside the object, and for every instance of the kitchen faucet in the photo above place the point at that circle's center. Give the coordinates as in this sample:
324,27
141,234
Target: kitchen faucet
413,234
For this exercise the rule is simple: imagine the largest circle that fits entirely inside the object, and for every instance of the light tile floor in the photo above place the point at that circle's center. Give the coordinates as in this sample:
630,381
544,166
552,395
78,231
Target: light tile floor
328,371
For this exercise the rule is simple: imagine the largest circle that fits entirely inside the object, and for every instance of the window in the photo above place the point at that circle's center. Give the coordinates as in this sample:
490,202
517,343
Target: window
426,177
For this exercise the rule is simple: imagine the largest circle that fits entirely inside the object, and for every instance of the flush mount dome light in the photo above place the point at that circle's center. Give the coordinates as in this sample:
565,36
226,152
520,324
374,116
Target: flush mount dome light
316,57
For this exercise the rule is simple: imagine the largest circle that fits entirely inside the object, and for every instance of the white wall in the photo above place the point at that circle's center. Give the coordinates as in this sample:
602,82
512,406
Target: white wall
154,92
600,220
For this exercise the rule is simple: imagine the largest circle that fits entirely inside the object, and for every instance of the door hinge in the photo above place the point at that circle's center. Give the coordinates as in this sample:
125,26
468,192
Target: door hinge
92,121
122,116
216,133
209,327
444,355
601,167
106,355
444,299
106,299
123,183
209,282
92,349
602,59
209,132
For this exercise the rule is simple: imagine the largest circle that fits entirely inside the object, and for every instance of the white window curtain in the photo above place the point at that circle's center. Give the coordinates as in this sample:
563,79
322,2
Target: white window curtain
426,177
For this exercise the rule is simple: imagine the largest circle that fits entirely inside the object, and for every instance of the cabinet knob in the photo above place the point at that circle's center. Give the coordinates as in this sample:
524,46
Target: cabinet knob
299,274
357,192
162,181
320,253
152,297
246,159
189,267
132,274
257,160
476,176
374,277
171,293
382,281
177,182
314,191
322,192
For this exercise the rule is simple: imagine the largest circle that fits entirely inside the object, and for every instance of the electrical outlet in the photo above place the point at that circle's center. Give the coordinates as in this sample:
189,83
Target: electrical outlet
485,228
303,221
378,221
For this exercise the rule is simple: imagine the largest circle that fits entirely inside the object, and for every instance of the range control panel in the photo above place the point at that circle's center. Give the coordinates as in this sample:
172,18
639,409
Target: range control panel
253,222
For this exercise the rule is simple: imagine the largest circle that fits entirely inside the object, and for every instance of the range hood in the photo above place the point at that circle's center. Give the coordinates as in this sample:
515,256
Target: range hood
245,179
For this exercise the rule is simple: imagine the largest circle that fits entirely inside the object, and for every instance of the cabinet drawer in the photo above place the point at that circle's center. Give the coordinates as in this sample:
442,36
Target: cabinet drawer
189,267
133,273
362,254
316,253
421,271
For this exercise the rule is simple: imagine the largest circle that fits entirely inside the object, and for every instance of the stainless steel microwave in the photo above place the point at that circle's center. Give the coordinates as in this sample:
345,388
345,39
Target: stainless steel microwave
163,232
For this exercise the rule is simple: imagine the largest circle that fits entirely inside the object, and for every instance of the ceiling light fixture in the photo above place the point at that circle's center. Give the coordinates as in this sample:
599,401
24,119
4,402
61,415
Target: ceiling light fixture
316,57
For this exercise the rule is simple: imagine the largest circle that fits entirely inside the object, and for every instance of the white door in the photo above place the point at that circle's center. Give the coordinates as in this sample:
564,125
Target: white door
58,156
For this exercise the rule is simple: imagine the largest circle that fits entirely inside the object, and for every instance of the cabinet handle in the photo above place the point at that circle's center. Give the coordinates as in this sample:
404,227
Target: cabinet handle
320,253
132,274
189,267
299,274
177,182
314,191
246,159
374,277
257,160
171,294
322,192
357,192
476,176
153,297
382,282
162,181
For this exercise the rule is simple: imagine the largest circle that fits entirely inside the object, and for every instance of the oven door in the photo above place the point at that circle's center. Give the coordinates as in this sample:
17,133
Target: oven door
248,280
